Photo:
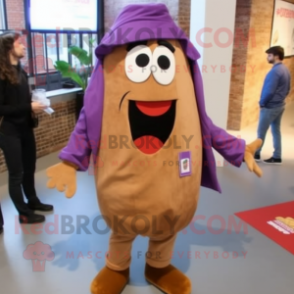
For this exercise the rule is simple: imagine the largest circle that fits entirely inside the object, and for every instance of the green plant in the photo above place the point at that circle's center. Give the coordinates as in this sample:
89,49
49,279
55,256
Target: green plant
79,74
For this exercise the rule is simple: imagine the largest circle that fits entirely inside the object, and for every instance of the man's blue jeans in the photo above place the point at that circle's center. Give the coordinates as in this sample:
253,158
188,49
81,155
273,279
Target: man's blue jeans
271,117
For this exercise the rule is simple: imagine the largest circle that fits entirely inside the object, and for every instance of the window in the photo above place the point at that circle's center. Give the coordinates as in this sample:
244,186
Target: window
47,48
87,45
2,15
56,48
44,48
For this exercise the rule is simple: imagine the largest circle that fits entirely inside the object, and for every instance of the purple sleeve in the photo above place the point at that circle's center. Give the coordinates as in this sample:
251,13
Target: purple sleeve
78,148
230,147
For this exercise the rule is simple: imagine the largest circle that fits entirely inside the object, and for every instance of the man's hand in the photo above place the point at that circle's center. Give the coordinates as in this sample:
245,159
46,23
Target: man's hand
249,157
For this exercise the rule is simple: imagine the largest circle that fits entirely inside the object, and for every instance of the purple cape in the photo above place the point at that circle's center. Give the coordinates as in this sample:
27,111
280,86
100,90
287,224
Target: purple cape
135,23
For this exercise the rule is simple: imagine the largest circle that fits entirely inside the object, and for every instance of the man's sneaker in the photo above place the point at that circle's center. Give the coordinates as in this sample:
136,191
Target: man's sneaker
257,157
273,160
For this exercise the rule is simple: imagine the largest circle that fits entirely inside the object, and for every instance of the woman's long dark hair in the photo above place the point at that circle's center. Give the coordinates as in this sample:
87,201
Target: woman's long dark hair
7,71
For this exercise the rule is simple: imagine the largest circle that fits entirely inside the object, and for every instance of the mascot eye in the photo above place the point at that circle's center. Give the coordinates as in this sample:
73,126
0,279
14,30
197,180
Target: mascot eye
142,60
164,65
137,64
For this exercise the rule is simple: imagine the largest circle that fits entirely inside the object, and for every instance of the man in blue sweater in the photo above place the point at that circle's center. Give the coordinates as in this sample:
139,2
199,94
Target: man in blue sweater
272,102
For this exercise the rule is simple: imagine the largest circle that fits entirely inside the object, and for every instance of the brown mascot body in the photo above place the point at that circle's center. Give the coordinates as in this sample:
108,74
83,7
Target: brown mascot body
145,107
129,183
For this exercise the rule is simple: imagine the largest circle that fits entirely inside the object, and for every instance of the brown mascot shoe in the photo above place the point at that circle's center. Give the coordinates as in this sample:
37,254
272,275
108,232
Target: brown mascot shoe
109,281
169,280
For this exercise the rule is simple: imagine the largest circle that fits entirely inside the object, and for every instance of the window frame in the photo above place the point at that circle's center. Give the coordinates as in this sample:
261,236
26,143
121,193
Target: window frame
32,71
3,14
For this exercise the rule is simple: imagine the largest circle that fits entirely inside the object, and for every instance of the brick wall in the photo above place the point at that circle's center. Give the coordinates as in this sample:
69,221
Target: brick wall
242,24
15,14
184,15
16,19
53,131
246,87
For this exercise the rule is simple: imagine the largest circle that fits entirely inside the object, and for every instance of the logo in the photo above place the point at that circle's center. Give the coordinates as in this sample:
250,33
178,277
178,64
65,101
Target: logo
185,163
284,225
38,253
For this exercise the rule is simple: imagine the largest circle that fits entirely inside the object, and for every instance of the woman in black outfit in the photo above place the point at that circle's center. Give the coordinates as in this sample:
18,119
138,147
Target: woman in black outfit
17,139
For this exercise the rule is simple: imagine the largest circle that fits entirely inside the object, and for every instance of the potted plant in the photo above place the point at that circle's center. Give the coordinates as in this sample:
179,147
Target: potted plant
79,74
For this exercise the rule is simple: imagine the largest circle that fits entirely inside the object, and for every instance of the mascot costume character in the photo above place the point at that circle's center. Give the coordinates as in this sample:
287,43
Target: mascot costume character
146,92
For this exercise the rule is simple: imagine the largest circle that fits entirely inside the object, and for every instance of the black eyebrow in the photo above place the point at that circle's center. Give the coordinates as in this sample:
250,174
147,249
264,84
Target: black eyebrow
135,44
167,44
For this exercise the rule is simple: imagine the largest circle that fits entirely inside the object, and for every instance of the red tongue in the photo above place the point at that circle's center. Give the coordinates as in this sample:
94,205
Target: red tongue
148,144
154,108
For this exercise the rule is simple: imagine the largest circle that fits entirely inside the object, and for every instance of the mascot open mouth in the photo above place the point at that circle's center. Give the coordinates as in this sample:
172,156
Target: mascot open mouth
151,123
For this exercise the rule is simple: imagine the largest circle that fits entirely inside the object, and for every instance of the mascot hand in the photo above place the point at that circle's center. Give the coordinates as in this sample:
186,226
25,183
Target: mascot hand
249,157
63,175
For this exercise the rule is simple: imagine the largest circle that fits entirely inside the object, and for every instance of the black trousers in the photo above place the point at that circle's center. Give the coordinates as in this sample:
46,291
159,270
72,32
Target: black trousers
20,156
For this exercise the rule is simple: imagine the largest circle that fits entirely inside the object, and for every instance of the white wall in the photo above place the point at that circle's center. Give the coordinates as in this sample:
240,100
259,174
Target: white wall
215,15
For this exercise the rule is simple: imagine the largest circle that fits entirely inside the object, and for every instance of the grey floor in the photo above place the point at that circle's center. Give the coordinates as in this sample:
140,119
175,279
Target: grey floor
266,268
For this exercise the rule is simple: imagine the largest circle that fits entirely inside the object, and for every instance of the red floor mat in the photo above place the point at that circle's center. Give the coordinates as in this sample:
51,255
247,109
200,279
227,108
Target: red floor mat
276,222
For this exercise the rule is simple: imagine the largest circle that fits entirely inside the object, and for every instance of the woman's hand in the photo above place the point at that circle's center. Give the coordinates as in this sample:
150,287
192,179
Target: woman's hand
38,107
